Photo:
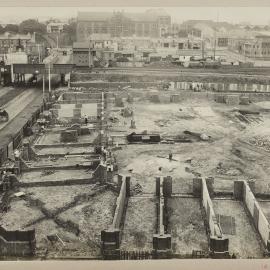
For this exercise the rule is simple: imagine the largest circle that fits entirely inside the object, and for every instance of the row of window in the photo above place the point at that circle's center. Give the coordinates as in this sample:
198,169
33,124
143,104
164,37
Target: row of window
12,42
110,26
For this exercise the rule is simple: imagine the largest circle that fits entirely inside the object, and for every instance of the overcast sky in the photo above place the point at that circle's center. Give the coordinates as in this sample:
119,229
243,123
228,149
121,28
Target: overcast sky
254,15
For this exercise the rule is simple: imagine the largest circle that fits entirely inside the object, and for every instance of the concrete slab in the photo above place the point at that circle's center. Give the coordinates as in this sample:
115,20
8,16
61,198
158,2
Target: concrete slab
54,138
64,150
89,109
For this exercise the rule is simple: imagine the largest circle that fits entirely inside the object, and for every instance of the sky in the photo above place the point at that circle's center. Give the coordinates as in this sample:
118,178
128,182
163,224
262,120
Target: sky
253,15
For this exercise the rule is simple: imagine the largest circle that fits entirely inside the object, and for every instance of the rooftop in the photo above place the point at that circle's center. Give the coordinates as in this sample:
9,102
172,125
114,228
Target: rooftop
15,36
150,15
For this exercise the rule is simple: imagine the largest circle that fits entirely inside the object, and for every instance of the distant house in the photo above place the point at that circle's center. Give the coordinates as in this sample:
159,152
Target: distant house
55,27
85,55
14,42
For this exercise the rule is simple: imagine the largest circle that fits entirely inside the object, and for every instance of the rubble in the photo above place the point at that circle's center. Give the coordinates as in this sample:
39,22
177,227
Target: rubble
261,142
136,189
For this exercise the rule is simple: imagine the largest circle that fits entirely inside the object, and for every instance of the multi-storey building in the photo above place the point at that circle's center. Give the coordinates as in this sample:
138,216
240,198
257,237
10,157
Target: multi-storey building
255,46
12,42
120,24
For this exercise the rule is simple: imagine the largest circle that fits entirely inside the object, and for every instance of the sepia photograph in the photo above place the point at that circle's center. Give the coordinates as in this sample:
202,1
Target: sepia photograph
132,133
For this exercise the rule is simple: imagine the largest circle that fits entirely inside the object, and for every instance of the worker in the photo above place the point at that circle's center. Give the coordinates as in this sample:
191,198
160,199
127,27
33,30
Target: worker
85,119
170,156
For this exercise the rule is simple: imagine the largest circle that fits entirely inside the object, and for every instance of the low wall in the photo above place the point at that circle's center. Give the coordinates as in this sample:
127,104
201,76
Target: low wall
111,237
162,238
219,245
121,200
17,243
242,191
67,182
75,96
79,101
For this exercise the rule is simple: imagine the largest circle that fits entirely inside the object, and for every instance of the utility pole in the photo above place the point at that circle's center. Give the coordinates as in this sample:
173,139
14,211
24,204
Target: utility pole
49,78
202,48
215,37
89,57
39,58
43,87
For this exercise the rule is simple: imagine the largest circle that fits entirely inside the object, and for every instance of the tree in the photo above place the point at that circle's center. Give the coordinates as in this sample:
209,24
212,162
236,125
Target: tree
256,28
31,25
70,28
12,28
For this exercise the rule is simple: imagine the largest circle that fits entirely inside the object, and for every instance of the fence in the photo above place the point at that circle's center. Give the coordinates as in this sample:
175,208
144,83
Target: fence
136,255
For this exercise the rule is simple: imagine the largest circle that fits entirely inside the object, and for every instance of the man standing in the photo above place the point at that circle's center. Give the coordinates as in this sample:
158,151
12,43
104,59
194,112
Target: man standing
86,120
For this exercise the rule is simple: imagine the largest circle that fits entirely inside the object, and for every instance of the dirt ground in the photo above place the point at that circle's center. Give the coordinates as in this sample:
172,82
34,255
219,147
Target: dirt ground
186,225
226,157
245,243
140,224
20,214
237,150
54,198
142,162
92,217
89,214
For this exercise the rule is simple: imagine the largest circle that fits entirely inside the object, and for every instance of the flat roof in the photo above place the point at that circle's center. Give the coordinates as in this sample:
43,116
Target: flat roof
147,16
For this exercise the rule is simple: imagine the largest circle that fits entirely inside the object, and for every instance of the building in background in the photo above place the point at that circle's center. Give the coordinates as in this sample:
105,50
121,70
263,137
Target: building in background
152,23
13,42
85,54
55,27
251,44
15,58
257,47
19,44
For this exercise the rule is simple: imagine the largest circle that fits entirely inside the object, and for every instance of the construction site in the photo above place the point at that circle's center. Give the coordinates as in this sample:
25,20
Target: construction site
136,165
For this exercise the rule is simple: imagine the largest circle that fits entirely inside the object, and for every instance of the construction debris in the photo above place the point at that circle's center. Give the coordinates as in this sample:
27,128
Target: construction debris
47,172
261,142
137,189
